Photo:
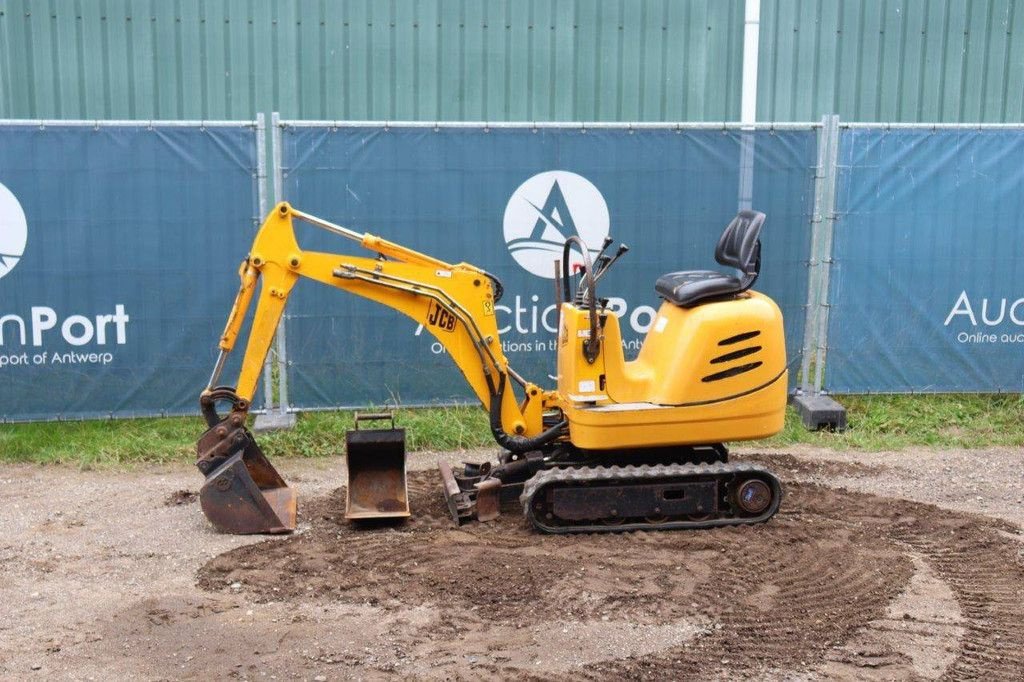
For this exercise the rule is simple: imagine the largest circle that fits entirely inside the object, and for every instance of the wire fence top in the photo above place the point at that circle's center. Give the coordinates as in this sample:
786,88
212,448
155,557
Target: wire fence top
559,125
930,126
124,123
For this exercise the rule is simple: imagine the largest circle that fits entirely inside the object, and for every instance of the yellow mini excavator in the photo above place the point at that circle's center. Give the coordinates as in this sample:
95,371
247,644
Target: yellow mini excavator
617,445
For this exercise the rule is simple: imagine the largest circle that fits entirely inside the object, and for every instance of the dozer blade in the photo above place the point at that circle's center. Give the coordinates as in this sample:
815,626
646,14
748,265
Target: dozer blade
472,494
488,500
375,459
246,495
461,505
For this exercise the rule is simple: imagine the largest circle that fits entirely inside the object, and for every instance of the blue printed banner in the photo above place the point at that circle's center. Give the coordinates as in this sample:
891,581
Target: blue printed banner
505,199
119,247
926,291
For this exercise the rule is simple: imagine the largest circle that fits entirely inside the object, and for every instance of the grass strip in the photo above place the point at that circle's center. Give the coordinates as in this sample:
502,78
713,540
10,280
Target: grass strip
878,422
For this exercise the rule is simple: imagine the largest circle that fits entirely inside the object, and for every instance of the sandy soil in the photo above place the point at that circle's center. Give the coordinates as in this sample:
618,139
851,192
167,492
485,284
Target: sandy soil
879,566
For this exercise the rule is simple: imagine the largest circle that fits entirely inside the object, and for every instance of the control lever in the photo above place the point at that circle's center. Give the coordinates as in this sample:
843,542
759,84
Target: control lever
602,261
619,253
579,272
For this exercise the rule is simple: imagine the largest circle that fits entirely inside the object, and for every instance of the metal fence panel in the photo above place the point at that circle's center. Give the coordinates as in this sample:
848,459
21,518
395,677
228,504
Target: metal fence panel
119,245
461,193
925,291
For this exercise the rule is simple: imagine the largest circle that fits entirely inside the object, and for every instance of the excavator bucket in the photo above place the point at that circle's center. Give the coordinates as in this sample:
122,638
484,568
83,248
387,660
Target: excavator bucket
243,494
377,487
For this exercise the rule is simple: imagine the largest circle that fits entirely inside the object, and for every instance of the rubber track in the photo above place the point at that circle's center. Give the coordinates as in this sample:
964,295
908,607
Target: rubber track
646,473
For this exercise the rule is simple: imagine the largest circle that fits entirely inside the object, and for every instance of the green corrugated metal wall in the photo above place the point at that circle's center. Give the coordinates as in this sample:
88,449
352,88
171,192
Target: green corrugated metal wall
372,59
631,60
892,60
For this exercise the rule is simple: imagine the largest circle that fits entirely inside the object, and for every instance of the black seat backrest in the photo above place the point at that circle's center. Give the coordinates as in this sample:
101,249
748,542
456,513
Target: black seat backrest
740,246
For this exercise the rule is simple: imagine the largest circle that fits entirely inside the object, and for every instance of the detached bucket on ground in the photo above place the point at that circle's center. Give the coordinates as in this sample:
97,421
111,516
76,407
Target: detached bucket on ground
376,486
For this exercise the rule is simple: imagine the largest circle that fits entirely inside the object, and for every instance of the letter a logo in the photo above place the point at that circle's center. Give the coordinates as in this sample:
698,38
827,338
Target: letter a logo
554,221
546,210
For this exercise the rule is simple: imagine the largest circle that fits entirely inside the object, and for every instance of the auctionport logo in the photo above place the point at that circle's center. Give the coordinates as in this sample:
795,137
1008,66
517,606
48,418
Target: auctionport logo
546,210
13,231
27,337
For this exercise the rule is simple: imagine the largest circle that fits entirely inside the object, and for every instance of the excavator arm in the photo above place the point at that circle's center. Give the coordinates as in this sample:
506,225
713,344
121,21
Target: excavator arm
455,303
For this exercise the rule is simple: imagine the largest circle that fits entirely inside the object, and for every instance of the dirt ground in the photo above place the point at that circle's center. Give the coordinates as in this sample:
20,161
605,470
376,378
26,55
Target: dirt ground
904,565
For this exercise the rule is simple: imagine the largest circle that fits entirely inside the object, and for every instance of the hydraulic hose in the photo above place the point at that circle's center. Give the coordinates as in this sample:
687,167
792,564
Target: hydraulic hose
592,346
518,444
499,288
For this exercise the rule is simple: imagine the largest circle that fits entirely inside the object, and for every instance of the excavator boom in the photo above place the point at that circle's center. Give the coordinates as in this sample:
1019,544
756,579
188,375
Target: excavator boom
454,302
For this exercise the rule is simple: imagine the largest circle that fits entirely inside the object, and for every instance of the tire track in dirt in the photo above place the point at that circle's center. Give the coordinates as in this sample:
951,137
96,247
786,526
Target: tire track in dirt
989,587
773,600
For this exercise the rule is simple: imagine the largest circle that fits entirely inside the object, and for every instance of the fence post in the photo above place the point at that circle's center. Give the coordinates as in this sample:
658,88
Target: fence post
811,309
261,210
280,418
816,409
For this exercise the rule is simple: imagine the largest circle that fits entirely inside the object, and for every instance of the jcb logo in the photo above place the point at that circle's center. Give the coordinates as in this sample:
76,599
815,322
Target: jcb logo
439,317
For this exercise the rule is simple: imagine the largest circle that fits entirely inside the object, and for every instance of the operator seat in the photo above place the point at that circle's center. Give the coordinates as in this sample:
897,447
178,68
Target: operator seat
739,247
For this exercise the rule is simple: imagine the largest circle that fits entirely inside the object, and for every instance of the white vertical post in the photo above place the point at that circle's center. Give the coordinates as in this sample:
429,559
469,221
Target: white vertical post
751,40
748,101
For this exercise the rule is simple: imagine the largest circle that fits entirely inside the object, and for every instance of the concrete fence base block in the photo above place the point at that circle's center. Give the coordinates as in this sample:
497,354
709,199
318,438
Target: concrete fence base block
820,412
274,421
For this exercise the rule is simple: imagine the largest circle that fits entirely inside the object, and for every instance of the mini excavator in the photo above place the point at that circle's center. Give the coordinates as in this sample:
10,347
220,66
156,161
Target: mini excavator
617,445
